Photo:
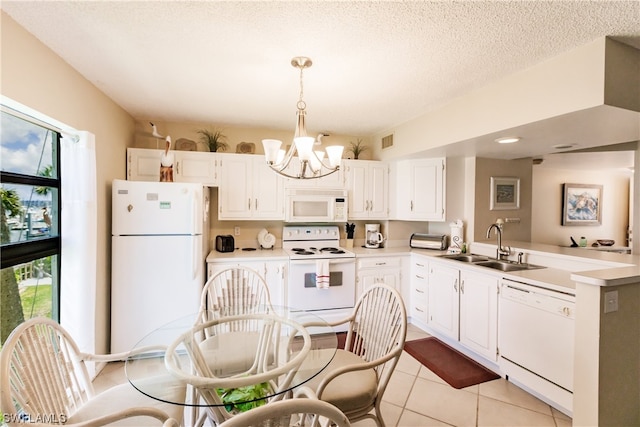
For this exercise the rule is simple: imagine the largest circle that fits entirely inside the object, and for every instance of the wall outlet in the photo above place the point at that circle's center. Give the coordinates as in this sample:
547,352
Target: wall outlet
610,301
236,231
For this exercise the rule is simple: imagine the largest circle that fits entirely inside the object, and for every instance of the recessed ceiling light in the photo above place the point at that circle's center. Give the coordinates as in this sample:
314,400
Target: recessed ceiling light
508,140
563,146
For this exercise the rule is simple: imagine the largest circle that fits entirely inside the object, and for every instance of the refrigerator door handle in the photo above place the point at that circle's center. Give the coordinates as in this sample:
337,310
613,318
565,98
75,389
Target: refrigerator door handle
194,258
194,213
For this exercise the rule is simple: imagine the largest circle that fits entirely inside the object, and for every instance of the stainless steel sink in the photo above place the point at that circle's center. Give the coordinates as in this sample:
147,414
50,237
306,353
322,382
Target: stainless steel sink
466,258
507,265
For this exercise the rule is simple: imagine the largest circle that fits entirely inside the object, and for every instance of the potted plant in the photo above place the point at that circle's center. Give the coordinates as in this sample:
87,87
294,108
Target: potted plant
357,148
253,395
213,139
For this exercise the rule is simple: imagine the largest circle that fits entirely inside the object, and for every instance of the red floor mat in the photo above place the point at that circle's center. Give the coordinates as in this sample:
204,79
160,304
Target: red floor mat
455,368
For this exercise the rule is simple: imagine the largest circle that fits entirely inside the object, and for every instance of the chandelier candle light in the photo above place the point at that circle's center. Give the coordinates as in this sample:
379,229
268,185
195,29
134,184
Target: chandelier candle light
310,162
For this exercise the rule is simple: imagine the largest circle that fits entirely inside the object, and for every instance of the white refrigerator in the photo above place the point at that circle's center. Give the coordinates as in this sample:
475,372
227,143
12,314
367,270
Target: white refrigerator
159,244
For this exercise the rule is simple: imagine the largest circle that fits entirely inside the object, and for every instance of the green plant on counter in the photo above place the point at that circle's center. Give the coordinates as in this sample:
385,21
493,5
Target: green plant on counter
252,396
357,148
213,139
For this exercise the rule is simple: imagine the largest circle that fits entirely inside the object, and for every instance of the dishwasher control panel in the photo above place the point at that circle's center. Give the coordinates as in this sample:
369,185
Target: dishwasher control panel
539,298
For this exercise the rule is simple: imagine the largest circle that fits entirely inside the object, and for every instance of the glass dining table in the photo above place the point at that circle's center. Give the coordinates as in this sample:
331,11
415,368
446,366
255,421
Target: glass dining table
229,362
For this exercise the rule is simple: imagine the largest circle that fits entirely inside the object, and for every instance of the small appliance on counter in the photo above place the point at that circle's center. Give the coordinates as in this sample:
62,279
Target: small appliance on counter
428,241
373,237
225,243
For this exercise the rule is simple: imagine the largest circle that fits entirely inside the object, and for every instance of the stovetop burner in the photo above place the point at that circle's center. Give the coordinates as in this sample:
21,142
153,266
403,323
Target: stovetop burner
313,242
315,251
299,251
332,250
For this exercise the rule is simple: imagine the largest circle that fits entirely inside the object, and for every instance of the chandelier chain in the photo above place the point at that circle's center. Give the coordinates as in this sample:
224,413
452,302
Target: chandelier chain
301,104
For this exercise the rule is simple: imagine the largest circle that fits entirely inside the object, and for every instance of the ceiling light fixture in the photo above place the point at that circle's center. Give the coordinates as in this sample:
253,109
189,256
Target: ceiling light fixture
508,140
310,163
563,146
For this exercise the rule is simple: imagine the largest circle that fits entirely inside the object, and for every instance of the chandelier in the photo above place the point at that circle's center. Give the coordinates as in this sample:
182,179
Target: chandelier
309,163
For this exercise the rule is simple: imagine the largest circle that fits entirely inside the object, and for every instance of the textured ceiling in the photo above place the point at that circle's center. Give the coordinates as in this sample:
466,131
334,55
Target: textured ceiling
376,64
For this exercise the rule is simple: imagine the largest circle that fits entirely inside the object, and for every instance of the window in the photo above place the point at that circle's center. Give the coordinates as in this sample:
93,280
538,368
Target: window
29,220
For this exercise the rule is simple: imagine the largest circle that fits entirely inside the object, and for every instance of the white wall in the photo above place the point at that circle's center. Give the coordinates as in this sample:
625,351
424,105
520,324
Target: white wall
35,76
547,205
569,82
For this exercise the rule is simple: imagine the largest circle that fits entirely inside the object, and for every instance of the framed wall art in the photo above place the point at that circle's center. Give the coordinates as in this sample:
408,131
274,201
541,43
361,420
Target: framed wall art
505,193
581,204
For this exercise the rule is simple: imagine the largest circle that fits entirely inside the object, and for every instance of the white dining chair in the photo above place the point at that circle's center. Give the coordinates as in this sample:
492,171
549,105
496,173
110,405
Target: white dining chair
283,413
357,377
44,381
208,378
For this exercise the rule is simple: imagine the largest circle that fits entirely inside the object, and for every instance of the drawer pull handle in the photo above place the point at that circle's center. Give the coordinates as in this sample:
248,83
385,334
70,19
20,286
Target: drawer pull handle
419,277
421,311
419,291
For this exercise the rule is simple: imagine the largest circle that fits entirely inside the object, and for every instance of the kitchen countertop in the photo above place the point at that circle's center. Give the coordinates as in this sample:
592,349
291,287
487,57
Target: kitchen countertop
617,269
257,255
609,268
368,252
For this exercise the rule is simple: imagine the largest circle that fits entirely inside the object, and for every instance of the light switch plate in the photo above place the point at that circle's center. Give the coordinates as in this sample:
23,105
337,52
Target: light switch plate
610,301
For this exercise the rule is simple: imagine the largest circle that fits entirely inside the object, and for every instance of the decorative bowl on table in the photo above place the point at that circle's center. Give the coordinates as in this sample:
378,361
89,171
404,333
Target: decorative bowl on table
605,242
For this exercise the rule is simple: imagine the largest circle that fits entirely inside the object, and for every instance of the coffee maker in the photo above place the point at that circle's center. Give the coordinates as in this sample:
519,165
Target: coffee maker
373,237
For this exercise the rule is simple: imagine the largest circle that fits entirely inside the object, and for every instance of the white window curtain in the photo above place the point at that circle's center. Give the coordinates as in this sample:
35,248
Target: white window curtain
79,231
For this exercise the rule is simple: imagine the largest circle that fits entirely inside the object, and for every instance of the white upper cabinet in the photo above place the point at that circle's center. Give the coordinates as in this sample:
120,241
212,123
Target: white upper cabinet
368,186
420,189
189,166
249,189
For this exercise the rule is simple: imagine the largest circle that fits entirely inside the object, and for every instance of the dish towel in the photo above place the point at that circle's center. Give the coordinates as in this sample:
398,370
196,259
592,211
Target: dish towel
322,274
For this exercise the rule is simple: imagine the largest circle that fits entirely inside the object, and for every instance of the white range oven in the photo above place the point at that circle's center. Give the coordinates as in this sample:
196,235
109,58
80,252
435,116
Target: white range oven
315,249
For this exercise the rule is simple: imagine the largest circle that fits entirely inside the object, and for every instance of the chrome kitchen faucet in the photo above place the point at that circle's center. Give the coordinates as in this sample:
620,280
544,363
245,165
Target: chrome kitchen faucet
500,251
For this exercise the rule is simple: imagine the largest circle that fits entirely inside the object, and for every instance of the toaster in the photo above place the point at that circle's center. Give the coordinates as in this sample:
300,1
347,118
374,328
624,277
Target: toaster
225,243
428,241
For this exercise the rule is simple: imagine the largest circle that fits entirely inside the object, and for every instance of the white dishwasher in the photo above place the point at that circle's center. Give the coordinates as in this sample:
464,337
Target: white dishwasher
536,333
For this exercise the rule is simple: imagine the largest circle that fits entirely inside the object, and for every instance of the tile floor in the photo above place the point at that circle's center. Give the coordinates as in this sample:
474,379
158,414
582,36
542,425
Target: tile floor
417,397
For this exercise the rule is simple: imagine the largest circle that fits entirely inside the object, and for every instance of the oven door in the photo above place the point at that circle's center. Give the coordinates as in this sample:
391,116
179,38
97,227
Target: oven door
303,293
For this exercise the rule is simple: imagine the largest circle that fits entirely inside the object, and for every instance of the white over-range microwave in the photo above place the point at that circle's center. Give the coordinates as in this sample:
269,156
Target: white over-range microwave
315,205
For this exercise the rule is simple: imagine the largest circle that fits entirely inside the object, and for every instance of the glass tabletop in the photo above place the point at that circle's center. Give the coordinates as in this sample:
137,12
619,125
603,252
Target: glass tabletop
232,360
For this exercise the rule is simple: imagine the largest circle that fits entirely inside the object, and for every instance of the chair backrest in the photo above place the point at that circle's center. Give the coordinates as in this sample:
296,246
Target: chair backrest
378,328
237,290
279,414
278,372
40,371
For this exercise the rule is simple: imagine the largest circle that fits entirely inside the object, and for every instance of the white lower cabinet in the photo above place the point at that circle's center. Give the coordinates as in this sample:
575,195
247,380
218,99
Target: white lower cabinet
419,285
274,272
444,299
378,270
462,305
479,313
